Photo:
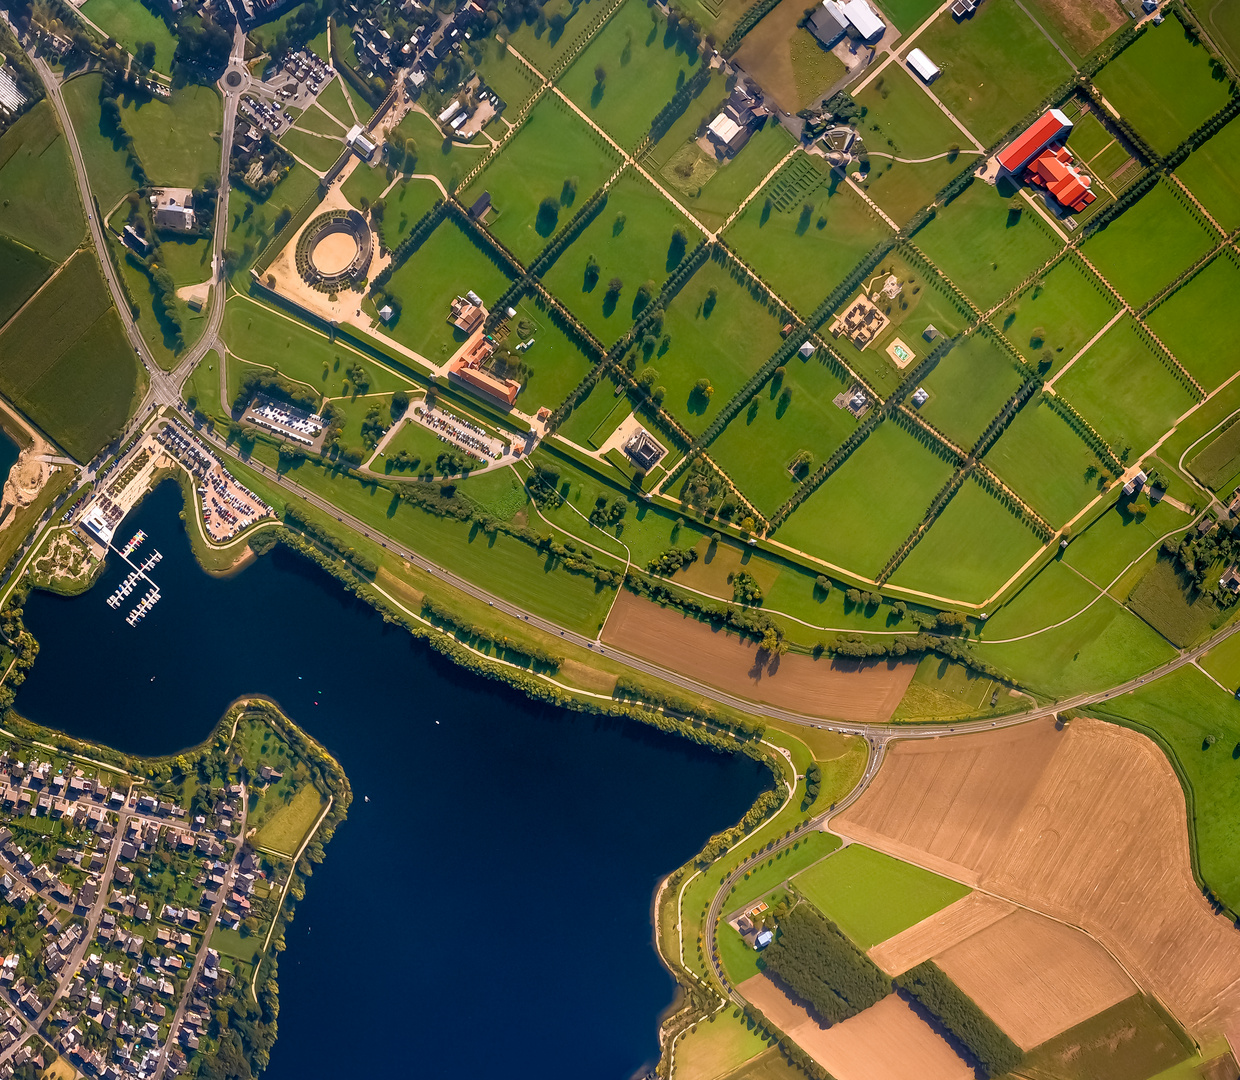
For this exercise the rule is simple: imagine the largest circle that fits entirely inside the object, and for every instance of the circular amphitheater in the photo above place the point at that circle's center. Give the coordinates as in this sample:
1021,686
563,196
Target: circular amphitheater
334,249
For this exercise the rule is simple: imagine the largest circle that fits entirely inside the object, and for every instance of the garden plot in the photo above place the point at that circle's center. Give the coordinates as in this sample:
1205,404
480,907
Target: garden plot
986,243
1150,243
1164,85
805,232
969,386
553,361
1200,321
1212,173
844,523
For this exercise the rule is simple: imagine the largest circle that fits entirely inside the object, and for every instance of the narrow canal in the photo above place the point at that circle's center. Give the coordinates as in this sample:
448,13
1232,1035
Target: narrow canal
486,913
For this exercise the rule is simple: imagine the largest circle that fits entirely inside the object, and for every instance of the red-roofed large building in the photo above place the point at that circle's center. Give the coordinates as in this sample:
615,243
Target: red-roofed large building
1054,170
1051,126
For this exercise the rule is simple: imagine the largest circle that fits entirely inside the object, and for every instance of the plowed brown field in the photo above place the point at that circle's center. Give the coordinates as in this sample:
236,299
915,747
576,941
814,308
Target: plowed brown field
940,931
1087,825
841,689
887,1041
1035,977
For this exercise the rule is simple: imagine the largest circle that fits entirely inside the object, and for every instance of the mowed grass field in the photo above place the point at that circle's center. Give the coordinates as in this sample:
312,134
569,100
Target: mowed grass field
106,164
319,152
22,271
901,121
287,827
848,523
1046,462
1218,461
985,246
447,265
969,386
129,21
1200,321
970,551
1125,390
871,896
1163,85
997,65
1212,173
631,238
805,232
65,361
1053,318
404,207
756,448
178,142
39,205
553,146
725,342
643,62
1150,243
436,155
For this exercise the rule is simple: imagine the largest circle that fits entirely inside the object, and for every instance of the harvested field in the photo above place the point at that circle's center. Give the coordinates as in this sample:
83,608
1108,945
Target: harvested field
940,931
841,689
888,1041
1035,977
1087,825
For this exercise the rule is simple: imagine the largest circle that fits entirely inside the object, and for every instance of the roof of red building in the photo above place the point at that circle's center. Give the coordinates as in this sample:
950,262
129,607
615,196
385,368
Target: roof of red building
1056,171
1025,146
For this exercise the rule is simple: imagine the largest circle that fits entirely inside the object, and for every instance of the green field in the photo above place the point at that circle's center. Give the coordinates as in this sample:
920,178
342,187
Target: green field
316,151
644,64
842,521
1200,321
287,827
696,328
969,386
332,98
369,184
597,415
66,363
871,896
40,206
503,73
1125,390
447,265
1053,594
908,14
996,65
717,1047
542,43
1116,539
106,164
554,364
178,142
188,259
941,688
440,157
631,238
404,207
901,121
1212,173
418,442
1050,321
1162,599
252,221
130,22
1149,244
1163,85
756,448
1217,462
22,271
552,150
202,389
321,122
984,245
1046,462
805,232
160,334
970,551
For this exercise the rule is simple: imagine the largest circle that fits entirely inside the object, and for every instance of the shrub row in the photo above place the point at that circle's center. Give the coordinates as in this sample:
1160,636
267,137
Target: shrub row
1084,429
812,482
785,352
1023,512
845,288
858,647
674,109
630,689
483,238
819,964
591,208
999,424
961,1015
941,500
439,613
750,622
927,434
747,22
294,517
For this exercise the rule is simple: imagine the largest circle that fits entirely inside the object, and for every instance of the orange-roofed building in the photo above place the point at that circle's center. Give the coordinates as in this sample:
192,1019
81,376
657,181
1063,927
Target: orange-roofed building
1051,126
1055,171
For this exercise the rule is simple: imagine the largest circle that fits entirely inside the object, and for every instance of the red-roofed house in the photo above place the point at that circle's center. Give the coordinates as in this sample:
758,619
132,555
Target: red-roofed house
1051,126
1054,170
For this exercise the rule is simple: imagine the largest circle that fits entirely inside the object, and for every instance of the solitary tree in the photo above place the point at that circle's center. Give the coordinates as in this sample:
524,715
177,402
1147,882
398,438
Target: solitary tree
614,286
600,74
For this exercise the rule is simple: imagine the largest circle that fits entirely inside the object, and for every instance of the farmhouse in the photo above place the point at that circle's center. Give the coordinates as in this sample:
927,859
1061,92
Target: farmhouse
173,209
837,18
1039,157
1230,579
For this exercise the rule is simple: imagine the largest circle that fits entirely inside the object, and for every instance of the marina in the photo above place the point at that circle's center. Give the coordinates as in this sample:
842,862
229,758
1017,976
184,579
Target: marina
130,582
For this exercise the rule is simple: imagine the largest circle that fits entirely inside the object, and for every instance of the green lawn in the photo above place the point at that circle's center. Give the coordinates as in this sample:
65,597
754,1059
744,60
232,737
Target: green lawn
106,165
420,443
405,205
997,65
1046,462
903,122
1055,593
696,329
178,141
718,1046
1125,390
287,827
1216,463
39,206
1114,540
968,387
503,73
970,551
131,22
1163,84
1200,321
542,43
643,63
1212,173
66,363
805,232
436,155
366,183
872,897
252,221
1149,244
447,265
985,246
631,238
756,448
553,149
842,521
202,388
554,363
160,334
187,259
332,98
318,152
321,122
22,271
1050,321
908,14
